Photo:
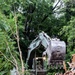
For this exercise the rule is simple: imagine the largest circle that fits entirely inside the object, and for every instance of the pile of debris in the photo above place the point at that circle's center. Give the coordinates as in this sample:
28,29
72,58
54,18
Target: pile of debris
71,67
71,70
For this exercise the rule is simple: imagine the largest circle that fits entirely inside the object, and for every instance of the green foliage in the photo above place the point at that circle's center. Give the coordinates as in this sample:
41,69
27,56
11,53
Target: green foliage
37,16
7,46
68,32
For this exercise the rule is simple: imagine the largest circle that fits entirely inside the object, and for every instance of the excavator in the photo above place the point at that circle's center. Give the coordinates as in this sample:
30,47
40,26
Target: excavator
54,53
55,49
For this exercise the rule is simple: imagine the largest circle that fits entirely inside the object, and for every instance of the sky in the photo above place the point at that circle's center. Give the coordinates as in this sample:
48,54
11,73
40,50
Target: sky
60,6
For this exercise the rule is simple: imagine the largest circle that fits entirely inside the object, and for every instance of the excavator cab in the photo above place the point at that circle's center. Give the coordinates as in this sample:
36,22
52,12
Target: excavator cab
39,63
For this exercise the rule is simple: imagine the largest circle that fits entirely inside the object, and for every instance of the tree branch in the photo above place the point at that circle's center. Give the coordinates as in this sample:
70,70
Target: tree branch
7,58
58,7
17,37
50,12
56,4
11,62
16,64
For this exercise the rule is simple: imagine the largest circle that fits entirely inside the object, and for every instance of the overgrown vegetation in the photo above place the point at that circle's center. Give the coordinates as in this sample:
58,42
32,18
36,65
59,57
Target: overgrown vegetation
22,20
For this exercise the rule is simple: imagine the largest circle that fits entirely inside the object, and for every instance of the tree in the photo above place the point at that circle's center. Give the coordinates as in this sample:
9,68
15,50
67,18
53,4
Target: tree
21,21
67,31
70,9
10,36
